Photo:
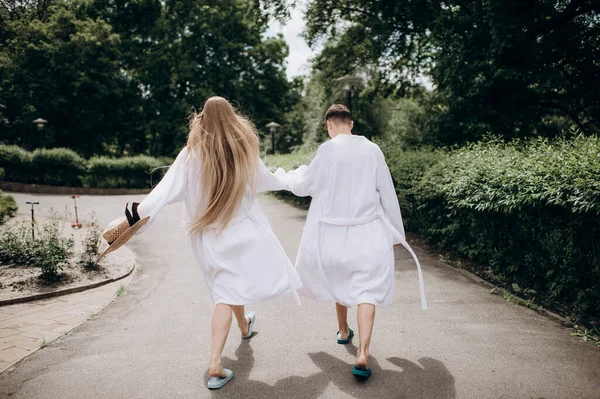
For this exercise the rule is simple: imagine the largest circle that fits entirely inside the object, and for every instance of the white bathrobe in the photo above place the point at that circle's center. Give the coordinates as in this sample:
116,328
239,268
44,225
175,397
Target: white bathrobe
346,253
245,262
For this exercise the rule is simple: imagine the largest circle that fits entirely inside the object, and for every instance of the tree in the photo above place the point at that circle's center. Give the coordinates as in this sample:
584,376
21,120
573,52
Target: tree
122,76
514,68
67,71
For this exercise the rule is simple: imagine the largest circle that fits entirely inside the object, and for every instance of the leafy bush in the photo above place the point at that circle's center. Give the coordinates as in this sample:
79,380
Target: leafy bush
130,172
16,163
58,167
50,251
528,210
91,246
8,207
64,167
408,169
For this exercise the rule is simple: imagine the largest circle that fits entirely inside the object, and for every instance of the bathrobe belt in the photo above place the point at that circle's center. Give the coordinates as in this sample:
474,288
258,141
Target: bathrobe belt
365,220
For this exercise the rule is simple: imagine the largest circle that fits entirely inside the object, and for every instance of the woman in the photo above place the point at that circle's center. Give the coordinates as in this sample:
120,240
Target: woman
217,176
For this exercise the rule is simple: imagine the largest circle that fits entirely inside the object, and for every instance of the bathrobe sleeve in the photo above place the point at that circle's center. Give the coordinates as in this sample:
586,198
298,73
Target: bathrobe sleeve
172,188
302,181
269,181
387,194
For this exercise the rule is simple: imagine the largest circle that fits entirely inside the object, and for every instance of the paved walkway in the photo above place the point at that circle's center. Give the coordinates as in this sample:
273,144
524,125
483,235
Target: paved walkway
154,341
26,327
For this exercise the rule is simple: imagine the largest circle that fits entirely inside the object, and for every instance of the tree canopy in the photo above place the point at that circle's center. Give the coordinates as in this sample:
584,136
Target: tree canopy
515,68
116,77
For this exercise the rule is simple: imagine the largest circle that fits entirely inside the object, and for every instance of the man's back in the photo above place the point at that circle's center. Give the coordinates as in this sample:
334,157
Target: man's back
347,177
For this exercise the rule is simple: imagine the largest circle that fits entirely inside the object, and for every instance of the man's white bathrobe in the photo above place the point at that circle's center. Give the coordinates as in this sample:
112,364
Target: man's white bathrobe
245,262
346,253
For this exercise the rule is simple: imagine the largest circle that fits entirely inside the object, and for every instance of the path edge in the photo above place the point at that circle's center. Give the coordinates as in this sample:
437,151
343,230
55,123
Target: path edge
12,187
496,290
108,302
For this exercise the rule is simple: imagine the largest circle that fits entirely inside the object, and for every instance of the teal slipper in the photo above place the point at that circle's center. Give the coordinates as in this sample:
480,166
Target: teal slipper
347,340
361,371
252,317
218,382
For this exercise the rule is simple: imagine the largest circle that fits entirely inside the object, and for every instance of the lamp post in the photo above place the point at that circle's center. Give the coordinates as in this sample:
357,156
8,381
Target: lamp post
32,203
348,82
39,122
272,128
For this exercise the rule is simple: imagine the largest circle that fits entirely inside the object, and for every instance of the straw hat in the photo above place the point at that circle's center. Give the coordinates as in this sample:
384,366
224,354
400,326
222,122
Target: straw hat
120,230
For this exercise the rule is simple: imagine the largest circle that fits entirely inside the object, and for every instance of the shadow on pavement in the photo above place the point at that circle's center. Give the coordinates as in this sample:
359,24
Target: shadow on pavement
427,379
241,386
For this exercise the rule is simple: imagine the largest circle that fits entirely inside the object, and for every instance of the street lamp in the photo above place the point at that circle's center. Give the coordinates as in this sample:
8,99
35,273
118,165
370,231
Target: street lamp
272,128
39,122
348,82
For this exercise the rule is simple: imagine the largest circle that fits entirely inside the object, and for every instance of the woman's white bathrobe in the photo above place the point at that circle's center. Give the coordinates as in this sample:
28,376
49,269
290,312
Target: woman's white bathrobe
245,262
346,253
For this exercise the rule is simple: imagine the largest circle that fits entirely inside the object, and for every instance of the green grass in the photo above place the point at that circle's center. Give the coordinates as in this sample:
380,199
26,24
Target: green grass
288,161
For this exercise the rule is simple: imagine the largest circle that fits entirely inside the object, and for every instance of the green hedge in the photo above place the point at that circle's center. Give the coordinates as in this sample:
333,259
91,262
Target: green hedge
16,163
64,167
58,167
131,172
530,211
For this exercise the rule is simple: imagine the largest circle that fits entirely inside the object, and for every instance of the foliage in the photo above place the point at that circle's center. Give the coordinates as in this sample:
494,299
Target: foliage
91,246
118,78
128,172
520,68
50,250
65,68
58,166
63,167
16,163
8,207
530,210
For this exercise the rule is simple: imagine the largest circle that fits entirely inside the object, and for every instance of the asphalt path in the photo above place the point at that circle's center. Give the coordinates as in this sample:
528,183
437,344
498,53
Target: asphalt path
153,341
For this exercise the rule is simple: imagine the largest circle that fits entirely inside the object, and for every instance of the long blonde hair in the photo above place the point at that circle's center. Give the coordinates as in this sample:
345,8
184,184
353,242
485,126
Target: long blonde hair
228,147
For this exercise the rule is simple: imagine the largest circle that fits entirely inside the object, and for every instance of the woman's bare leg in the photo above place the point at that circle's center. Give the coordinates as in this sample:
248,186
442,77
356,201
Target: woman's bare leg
342,316
240,315
221,323
366,318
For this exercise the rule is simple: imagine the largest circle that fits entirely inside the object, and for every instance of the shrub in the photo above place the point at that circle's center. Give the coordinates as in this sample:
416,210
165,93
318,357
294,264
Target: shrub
8,207
16,163
129,172
408,169
91,246
528,210
50,251
58,167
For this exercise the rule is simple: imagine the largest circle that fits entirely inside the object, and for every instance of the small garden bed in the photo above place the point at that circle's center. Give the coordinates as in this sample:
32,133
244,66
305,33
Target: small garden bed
59,259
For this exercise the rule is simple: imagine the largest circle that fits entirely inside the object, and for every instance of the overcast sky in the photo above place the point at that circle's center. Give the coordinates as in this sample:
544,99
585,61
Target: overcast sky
298,60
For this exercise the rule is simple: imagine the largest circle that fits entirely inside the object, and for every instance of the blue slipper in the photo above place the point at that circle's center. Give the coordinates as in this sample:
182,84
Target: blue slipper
347,340
361,371
218,382
252,318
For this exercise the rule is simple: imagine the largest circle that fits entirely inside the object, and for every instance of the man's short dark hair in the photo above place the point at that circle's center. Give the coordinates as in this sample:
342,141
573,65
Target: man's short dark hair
338,111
